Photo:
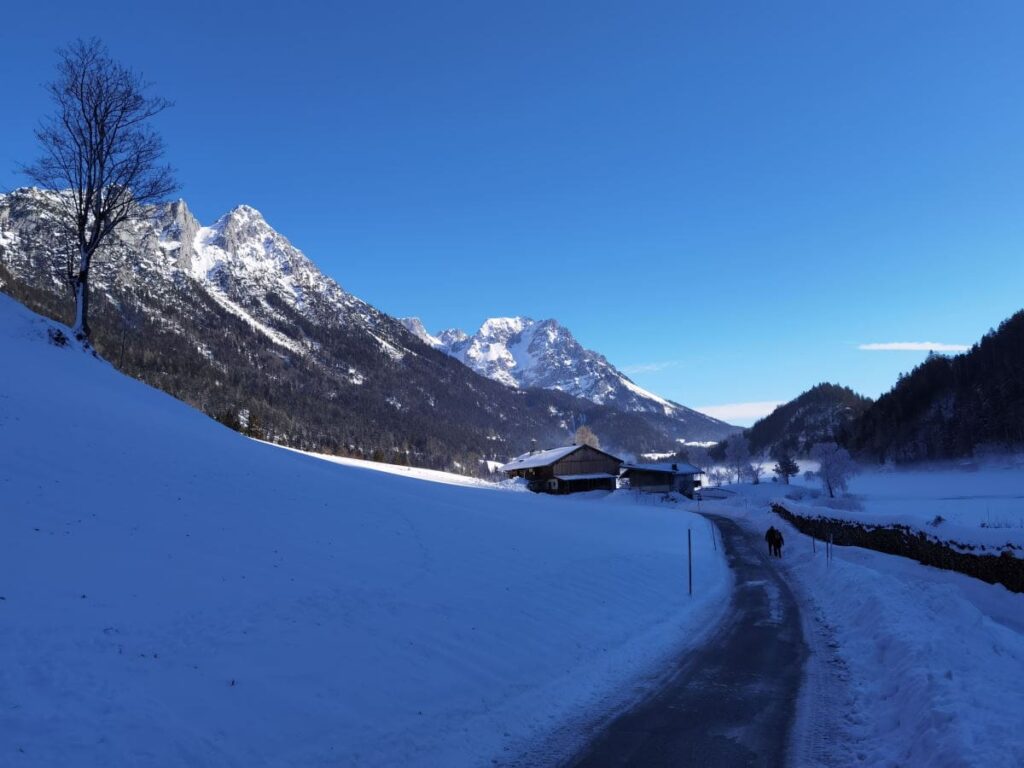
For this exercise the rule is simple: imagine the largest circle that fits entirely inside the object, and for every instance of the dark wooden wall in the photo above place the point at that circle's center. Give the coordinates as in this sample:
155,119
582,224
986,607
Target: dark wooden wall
587,461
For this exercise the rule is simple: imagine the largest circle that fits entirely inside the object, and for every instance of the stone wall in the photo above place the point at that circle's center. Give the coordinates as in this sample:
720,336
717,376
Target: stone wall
1005,568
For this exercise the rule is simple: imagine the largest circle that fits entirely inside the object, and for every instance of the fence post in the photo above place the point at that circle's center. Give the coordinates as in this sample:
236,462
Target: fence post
689,556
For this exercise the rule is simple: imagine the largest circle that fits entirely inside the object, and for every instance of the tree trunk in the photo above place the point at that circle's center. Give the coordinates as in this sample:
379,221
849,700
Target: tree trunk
81,327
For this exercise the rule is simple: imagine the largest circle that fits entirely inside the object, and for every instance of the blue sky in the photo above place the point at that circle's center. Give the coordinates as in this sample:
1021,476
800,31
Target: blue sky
726,199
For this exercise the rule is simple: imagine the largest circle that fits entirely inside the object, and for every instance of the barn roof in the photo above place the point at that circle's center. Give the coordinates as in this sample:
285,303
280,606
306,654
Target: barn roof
548,457
539,458
677,468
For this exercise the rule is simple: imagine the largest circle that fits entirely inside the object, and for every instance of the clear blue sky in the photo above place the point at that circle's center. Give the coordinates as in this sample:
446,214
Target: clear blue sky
724,198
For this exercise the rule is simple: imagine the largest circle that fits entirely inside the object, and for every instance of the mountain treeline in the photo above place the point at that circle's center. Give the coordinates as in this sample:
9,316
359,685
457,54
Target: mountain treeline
821,414
946,407
950,407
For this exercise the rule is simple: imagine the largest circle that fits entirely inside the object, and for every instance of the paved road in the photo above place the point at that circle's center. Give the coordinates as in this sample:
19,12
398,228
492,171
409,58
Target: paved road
731,702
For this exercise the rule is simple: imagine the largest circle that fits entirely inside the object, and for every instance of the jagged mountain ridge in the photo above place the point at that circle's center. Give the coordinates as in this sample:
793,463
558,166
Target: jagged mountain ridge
235,320
522,352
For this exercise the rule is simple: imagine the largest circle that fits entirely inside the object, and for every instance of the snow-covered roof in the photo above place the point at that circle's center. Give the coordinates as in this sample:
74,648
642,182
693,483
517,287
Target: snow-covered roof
539,458
677,468
594,476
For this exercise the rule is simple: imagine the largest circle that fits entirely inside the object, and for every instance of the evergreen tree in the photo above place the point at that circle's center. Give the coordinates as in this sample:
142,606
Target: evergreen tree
786,468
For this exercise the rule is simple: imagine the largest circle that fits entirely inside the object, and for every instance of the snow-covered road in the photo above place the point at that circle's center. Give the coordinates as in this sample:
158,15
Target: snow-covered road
732,701
909,665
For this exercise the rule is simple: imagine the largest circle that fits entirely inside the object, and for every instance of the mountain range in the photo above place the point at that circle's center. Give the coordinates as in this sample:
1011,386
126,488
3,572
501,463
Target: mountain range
236,321
521,352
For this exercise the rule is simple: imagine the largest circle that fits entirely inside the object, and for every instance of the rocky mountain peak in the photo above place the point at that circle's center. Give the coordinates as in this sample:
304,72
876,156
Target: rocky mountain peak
518,351
415,326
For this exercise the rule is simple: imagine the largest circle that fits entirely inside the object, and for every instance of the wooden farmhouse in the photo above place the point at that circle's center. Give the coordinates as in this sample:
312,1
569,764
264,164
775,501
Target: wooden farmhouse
566,470
663,478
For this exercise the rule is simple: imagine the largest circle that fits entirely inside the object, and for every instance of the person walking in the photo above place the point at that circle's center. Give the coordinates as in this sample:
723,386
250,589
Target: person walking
770,538
779,541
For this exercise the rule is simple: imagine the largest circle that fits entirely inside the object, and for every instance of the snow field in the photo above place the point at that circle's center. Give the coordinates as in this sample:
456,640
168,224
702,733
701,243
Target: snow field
981,503
175,594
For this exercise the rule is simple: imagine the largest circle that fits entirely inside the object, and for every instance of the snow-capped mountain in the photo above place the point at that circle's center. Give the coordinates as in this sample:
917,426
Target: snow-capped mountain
522,352
235,320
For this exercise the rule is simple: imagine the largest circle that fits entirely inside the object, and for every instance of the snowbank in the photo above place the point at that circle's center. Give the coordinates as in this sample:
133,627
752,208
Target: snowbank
172,593
913,666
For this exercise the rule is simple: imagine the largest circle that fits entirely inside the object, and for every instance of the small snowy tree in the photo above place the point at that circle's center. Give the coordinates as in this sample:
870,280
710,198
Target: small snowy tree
585,436
836,467
718,476
786,468
755,471
737,456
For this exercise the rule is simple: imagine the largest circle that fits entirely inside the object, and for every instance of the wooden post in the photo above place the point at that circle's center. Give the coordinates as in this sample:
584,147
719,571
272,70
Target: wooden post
689,556
714,543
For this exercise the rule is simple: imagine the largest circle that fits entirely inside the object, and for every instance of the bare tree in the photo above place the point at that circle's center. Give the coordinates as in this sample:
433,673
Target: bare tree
835,467
737,456
585,436
99,154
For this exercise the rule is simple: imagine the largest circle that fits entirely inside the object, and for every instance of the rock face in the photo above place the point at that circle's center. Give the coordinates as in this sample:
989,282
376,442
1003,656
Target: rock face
522,352
236,321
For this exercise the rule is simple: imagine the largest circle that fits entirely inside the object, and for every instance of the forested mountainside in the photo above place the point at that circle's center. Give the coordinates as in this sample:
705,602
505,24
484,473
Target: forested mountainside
950,407
822,414
237,322
522,352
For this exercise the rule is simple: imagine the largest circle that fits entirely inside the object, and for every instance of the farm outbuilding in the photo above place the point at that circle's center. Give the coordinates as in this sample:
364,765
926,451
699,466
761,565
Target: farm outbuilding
566,470
663,478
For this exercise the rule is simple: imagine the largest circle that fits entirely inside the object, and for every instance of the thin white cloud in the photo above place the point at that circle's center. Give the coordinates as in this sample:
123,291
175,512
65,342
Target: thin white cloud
741,413
649,367
913,346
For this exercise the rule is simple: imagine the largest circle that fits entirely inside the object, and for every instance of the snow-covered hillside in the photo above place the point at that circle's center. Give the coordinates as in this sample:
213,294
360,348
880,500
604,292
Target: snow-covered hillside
172,593
522,352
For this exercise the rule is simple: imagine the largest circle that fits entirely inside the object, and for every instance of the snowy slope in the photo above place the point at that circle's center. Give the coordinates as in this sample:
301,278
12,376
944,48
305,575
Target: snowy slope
522,352
174,594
